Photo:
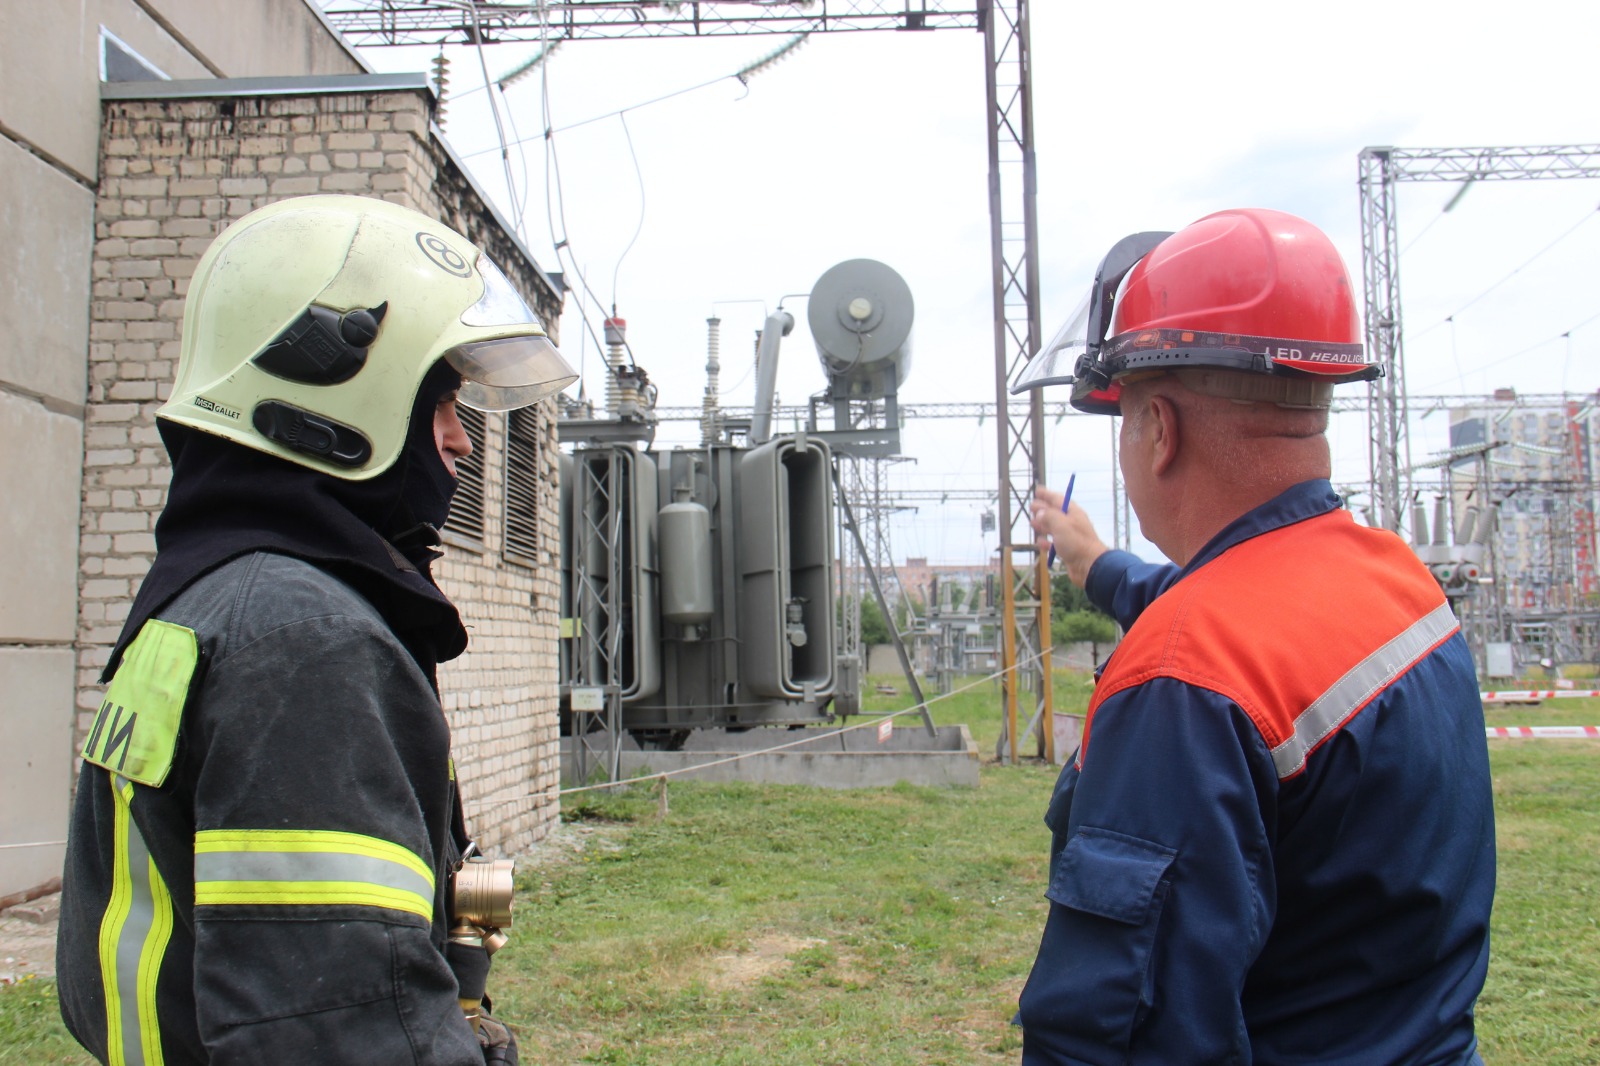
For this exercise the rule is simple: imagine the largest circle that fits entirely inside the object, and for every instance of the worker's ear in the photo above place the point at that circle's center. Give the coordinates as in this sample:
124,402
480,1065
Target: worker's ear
1161,422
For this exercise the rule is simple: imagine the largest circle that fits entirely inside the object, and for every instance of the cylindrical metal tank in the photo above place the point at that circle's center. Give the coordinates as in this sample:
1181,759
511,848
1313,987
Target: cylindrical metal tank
683,538
860,314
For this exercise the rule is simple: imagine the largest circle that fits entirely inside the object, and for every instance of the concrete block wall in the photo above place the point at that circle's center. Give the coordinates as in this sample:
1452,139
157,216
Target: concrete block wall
50,119
174,173
44,295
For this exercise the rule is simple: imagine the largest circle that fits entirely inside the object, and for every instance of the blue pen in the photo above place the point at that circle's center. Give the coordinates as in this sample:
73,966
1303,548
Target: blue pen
1066,498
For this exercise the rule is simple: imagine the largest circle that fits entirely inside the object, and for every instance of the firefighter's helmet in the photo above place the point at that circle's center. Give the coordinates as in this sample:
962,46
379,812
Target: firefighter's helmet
1254,291
310,324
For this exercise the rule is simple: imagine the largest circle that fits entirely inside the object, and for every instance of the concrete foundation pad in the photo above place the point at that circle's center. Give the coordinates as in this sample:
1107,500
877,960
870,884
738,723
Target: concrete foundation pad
823,757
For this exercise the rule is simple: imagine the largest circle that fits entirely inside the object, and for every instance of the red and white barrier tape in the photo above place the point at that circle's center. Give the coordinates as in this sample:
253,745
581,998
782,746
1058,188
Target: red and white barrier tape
1541,694
1518,732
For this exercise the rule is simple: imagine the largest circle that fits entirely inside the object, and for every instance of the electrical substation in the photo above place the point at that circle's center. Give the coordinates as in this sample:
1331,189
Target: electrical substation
662,577
699,585
1022,602
719,587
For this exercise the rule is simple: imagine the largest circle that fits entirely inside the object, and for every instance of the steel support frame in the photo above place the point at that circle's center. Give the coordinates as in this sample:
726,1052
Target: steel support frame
871,570
1380,170
369,23
598,608
1013,245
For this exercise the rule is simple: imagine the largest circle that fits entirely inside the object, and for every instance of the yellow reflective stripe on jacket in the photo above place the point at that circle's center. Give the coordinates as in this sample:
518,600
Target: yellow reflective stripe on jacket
134,933
284,867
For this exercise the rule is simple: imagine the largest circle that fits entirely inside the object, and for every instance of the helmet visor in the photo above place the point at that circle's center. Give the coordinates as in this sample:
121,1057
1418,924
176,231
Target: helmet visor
508,372
1056,362
501,304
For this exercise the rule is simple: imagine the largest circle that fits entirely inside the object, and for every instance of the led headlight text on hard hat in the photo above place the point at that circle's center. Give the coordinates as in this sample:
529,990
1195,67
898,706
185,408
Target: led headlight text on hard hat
1128,349
1343,358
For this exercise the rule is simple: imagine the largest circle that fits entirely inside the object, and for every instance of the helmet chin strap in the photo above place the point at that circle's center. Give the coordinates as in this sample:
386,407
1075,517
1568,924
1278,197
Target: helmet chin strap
419,543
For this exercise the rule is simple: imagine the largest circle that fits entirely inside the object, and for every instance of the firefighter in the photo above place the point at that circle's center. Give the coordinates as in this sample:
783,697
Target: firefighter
267,821
1276,841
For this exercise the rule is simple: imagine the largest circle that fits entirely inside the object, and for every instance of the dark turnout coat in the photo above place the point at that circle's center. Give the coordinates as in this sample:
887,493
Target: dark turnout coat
262,837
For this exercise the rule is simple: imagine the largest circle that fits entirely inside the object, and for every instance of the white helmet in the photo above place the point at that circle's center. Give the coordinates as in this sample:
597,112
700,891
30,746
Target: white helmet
311,322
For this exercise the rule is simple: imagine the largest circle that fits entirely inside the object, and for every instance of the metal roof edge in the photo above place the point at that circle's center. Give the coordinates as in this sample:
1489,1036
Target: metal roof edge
211,88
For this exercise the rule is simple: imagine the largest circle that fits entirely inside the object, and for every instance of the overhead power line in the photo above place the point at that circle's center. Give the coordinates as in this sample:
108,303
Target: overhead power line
1570,231
1563,335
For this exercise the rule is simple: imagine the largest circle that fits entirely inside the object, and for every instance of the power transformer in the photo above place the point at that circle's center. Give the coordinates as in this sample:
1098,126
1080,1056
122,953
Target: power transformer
722,558
699,585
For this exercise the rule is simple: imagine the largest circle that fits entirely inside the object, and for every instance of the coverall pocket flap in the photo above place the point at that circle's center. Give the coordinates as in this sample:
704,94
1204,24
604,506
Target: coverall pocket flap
1109,874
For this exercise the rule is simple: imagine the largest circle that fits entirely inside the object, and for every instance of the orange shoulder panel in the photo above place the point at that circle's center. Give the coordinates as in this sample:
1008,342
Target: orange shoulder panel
1274,621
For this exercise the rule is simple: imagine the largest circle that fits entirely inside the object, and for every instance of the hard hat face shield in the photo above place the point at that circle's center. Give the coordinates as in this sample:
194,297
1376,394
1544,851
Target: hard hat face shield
1250,292
1073,357
1057,361
505,373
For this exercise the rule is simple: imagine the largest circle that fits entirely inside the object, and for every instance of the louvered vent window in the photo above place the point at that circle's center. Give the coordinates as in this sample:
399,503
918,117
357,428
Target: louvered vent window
526,491
466,510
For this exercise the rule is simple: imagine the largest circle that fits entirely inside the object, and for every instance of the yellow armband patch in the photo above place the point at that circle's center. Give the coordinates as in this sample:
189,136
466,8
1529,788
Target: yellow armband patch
135,732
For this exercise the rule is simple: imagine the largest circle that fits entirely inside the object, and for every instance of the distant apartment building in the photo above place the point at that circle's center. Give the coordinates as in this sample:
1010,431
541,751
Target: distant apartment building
1536,458
965,587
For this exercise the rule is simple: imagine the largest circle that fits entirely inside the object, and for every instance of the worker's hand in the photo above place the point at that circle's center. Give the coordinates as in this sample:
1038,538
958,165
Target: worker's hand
499,1046
1076,542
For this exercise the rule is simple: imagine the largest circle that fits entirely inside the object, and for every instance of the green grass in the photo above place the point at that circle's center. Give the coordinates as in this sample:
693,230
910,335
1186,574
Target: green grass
31,1033
762,924
1542,1001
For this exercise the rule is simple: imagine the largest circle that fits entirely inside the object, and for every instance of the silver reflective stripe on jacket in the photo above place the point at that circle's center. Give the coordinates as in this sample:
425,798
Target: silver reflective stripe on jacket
133,940
1352,691
290,868
308,867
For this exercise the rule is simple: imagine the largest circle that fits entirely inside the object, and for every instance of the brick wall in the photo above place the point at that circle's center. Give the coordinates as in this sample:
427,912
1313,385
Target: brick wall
174,173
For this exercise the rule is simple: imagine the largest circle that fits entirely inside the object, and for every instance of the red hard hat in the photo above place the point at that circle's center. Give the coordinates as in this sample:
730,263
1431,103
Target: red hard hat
1250,290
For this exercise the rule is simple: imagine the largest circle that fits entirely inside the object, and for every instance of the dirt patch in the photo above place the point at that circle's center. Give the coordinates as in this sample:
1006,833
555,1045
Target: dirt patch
989,1035
28,939
566,843
763,957
568,840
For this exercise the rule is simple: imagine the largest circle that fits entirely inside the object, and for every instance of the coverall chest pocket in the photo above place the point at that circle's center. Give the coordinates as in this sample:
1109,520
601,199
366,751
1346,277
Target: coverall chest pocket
1108,889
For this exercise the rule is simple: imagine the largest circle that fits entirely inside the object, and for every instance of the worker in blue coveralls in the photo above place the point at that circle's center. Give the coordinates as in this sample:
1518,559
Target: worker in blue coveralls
1275,843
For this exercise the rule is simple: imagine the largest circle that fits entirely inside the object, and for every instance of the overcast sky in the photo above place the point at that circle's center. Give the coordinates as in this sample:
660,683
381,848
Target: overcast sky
727,199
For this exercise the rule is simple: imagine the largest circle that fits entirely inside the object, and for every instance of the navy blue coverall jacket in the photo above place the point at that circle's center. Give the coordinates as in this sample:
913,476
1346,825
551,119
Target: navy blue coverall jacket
1276,842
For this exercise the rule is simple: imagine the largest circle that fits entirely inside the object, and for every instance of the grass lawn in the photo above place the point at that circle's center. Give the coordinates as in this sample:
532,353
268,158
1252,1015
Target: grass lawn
765,924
